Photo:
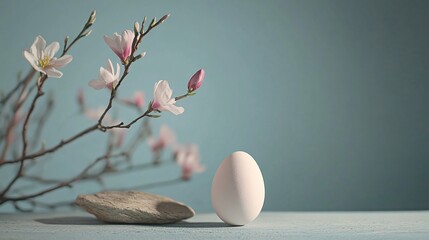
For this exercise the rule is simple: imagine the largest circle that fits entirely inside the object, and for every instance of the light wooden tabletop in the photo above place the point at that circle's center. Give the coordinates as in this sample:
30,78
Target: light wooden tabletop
269,225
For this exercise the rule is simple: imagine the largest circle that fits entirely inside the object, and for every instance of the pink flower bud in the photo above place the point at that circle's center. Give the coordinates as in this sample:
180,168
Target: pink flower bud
196,80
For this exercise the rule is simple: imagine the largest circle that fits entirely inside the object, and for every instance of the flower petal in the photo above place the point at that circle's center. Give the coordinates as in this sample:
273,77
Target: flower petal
162,92
97,84
109,66
118,69
60,62
127,41
172,108
32,60
37,47
52,72
51,49
106,76
113,45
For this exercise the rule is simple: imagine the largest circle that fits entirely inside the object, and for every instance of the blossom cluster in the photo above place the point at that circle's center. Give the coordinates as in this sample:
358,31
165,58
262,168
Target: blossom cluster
42,59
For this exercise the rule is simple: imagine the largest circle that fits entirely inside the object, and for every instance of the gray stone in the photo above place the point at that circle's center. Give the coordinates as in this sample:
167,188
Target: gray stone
134,207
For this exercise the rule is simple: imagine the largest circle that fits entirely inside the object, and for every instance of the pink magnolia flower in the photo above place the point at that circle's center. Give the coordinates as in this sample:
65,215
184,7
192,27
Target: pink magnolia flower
42,58
196,80
121,44
138,99
166,138
188,158
107,77
162,100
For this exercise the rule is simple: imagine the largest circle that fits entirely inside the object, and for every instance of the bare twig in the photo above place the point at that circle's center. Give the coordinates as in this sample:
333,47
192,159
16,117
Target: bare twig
24,134
54,148
58,186
82,33
19,102
29,76
43,116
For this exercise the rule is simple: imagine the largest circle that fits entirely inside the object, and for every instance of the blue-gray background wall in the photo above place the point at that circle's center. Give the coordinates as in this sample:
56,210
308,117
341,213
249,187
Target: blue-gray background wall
330,97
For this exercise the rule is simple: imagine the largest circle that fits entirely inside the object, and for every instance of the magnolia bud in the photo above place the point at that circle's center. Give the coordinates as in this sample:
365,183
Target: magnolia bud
66,40
87,33
164,18
196,80
136,28
139,56
142,29
152,24
91,19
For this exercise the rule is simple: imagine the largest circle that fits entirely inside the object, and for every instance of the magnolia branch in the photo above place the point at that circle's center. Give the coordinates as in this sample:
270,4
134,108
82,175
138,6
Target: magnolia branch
84,132
40,82
112,158
138,37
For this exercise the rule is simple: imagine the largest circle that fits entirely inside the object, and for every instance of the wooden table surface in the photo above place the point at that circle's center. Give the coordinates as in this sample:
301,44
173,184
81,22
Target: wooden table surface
269,225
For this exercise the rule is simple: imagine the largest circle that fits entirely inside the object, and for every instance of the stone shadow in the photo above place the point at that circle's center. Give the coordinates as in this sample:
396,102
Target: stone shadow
70,221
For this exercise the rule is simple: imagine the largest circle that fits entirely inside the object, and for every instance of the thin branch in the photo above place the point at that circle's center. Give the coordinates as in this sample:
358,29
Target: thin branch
42,121
19,102
29,76
58,181
24,134
58,186
54,148
144,133
82,33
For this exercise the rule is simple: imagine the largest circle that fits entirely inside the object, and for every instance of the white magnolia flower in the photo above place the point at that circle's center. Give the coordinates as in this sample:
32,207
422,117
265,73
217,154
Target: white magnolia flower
162,99
107,77
42,58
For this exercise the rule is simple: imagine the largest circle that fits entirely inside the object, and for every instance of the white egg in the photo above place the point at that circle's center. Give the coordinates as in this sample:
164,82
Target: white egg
238,190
